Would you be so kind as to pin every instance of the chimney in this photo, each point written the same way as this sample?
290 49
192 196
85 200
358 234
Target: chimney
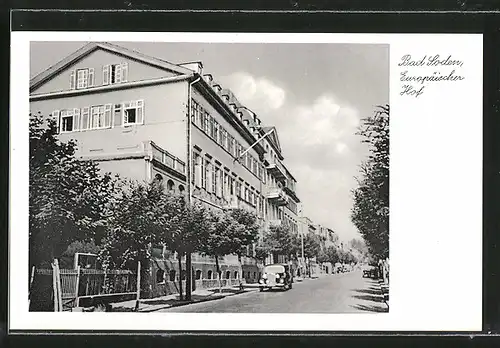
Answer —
196 67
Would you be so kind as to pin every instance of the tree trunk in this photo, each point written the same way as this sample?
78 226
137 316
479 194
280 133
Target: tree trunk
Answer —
179 258
217 268
189 273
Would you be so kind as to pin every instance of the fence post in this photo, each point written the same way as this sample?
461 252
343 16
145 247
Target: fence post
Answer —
138 285
31 284
54 287
77 288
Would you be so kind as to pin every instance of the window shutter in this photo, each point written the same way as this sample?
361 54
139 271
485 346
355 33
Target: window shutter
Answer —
91 77
124 72
56 118
107 115
105 74
117 115
72 80
85 118
118 74
140 111
76 119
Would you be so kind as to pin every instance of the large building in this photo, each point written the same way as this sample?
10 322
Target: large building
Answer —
147 119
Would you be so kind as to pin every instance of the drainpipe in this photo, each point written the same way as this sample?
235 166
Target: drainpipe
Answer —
188 181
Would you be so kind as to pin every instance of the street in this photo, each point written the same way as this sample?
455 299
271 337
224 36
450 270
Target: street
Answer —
336 293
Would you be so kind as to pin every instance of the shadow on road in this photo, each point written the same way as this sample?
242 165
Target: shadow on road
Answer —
370 291
374 309
372 298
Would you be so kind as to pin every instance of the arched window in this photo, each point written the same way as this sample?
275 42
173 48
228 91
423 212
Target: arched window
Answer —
181 188
172 275
170 185
183 274
198 274
209 274
158 178
228 275
160 276
235 274
254 275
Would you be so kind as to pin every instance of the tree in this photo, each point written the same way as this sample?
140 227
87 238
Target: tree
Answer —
370 212
312 247
280 241
230 232
188 229
68 197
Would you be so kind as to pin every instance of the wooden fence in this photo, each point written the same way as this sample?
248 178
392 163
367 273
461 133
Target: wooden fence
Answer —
64 288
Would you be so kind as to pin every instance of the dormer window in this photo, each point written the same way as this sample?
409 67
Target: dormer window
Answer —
114 73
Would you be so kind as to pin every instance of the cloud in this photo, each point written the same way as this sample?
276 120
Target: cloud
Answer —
319 143
255 91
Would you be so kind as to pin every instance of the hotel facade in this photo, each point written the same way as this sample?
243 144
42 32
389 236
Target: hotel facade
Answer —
147 119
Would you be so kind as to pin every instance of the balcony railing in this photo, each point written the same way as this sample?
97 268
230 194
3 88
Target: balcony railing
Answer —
275 167
167 159
277 196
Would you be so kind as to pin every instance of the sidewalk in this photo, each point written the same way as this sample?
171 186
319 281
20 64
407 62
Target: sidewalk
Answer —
157 303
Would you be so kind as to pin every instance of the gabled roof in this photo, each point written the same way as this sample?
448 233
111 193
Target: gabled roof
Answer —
273 137
47 74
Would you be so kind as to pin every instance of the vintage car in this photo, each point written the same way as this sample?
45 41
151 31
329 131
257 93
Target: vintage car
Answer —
277 276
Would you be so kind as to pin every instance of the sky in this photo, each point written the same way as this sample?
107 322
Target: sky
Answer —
315 95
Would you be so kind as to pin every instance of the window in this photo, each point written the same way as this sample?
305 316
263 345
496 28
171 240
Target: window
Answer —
100 116
212 127
160 276
224 138
85 118
181 188
206 177
81 78
133 112
197 169
198 274
231 185
115 73
228 274
235 274
209 274
170 185
238 189
230 145
214 180
172 275
216 132
196 112
208 121
70 120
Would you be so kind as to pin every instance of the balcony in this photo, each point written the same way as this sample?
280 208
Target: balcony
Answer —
235 202
165 158
275 167
277 196
289 188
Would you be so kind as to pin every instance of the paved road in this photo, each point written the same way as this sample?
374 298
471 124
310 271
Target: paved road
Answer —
337 293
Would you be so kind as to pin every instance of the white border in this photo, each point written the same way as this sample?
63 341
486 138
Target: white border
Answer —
436 198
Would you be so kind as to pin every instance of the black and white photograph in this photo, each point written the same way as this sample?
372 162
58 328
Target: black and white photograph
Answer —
209 177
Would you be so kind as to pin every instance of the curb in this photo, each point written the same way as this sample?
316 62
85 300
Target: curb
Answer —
384 289
207 299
